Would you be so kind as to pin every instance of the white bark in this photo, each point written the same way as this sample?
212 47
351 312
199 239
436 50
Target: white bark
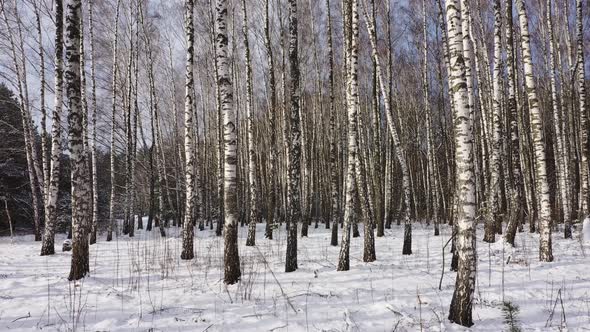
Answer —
461 304
53 188
80 179
542 186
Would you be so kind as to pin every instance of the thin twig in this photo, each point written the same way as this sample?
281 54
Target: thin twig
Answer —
275 277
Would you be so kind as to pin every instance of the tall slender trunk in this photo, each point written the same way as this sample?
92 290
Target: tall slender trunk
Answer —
128 224
20 73
30 124
189 150
252 181
273 183
135 207
94 223
560 161
334 179
156 171
460 311
231 257
42 108
399 149
351 32
430 149
542 186
113 152
517 199
80 179
585 137
47 247
294 147
493 207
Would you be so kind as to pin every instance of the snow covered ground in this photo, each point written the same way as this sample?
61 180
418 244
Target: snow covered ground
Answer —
140 284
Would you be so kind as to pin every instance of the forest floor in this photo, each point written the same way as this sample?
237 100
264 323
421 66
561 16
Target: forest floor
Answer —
141 284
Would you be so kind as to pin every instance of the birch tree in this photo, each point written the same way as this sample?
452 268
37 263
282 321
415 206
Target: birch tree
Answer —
294 147
80 183
23 97
516 217
542 186
430 149
494 186
94 225
272 206
188 230
334 179
231 257
252 182
460 311
42 106
399 149
113 193
351 31
47 247
560 156
585 137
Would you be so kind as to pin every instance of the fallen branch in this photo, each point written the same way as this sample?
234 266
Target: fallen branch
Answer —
23 317
443 260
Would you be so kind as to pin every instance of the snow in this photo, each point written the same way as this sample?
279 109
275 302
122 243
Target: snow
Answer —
586 230
141 284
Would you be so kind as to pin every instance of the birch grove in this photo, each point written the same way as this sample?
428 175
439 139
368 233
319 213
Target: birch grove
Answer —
254 119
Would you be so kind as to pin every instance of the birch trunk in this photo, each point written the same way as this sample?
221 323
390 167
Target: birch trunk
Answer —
430 149
188 229
351 32
94 224
42 108
493 208
542 186
460 311
334 179
80 179
517 199
47 247
25 114
560 161
252 181
231 258
273 183
294 146
399 149
585 137
113 127
30 129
